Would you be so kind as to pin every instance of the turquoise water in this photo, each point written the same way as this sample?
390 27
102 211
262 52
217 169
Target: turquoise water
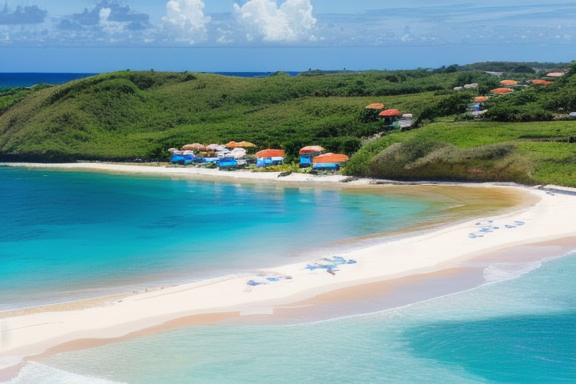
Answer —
70 235
522 330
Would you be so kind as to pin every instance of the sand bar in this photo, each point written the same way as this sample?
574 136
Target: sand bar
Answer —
548 217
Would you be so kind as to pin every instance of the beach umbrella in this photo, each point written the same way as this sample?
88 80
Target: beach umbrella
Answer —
330 158
509 82
540 82
215 147
172 150
375 106
310 149
389 112
266 153
193 146
245 144
481 99
238 153
501 91
555 74
231 144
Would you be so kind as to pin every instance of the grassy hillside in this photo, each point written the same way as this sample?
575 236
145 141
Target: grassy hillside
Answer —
128 115
528 153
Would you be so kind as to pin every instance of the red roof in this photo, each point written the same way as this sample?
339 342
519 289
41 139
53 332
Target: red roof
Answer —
390 112
311 149
330 158
500 91
541 82
270 153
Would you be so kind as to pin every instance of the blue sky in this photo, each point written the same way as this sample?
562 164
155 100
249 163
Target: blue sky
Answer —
268 35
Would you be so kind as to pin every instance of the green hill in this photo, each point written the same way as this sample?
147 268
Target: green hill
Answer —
129 115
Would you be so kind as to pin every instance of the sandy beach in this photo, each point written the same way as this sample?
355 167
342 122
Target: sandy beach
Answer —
543 215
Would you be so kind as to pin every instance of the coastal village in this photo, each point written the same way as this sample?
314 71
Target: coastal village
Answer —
236 155
314 158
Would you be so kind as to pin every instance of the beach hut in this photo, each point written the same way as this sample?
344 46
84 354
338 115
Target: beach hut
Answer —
329 161
307 153
390 117
177 157
267 157
405 121
189 157
227 162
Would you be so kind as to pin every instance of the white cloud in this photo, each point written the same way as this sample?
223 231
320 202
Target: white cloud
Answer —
186 18
290 22
111 27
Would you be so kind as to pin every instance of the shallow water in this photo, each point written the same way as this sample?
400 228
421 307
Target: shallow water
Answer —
517 330
71 235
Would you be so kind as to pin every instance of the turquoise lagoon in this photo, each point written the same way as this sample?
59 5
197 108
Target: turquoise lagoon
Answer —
517 327
71 235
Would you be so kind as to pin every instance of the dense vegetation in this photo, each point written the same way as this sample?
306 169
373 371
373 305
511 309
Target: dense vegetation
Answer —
128 115
529 153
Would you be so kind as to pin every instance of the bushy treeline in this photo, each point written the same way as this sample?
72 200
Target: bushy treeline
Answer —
509 67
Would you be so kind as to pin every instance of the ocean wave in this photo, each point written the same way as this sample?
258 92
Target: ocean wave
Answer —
38 373
508 271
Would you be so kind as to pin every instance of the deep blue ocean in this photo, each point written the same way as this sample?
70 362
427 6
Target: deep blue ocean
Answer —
71 234
15 79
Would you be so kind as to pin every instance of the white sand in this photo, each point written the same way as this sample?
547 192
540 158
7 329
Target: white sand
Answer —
187 172
551 218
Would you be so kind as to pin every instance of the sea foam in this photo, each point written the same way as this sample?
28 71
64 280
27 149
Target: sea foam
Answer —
38 373
508 271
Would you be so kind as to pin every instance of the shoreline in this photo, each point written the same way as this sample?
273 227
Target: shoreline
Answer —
379 267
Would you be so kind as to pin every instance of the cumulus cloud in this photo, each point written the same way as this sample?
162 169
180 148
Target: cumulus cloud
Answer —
187 20
107 15
292 21
22 15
